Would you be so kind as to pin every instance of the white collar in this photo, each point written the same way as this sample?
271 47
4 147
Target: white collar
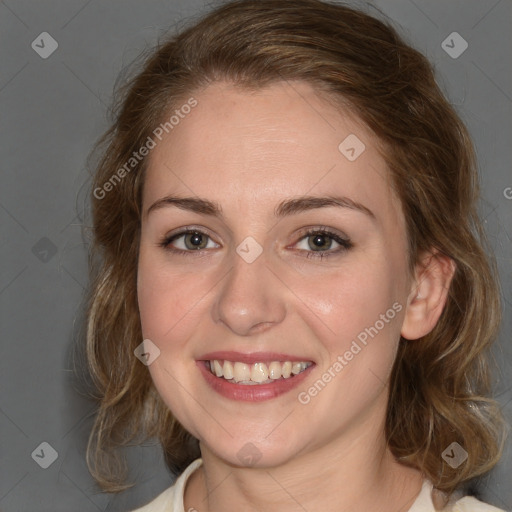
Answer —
424 501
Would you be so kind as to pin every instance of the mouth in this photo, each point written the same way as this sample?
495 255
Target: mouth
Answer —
253 377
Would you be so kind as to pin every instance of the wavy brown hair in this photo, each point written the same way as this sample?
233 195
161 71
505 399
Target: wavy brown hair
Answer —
439 389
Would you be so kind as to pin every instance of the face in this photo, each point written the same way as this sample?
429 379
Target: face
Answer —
249 272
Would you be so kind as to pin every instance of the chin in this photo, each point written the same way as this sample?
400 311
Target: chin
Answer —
243 453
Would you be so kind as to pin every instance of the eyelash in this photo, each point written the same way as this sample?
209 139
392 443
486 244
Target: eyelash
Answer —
345 243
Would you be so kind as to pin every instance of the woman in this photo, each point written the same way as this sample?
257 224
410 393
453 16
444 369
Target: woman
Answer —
286 216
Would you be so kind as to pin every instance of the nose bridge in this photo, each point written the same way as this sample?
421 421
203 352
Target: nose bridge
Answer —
249 296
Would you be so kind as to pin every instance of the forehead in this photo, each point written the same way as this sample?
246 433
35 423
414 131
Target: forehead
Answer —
252 148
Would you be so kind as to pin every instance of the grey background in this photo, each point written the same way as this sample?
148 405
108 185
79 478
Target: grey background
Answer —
52 112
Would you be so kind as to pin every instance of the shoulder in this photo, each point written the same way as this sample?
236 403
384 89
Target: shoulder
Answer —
162 503
171 500
470 504
425 502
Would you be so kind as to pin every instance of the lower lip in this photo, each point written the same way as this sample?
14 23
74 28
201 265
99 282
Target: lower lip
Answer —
251 393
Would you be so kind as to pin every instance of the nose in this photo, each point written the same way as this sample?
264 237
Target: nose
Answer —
250 299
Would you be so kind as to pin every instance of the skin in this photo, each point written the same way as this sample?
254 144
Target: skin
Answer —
248 151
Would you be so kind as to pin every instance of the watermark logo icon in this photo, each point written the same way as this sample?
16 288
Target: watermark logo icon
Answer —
44 250
249 250
44 45
147 352
45 455
454 45
249 454
351 147
454 455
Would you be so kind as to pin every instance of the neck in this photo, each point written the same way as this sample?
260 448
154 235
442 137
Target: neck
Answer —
355 471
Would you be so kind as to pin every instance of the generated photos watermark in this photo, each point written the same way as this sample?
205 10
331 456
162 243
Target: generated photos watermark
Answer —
144 150
343 360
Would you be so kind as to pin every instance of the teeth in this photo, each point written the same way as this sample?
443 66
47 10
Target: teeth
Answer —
274 370
286 371
241 371
217 368
228 370
257 373
296 368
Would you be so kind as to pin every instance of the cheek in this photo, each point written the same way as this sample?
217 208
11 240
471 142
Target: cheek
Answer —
357 318
351 299
167 298
169 304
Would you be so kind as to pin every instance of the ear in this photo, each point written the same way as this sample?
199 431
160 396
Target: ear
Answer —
429 292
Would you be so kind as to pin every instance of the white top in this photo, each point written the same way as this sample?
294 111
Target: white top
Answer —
171 500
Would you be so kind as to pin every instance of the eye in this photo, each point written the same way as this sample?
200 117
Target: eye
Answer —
186 241
318 243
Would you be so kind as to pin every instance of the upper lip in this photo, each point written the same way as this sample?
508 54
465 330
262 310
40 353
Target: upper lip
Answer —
251 358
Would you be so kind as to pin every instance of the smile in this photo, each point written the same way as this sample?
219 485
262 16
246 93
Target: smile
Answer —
253 377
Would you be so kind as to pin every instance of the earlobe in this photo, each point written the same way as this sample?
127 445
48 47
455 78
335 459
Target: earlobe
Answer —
429 292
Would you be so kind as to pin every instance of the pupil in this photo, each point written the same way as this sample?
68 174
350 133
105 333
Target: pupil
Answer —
320 241
195 239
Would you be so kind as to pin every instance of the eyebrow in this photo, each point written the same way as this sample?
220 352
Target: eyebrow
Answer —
284 208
